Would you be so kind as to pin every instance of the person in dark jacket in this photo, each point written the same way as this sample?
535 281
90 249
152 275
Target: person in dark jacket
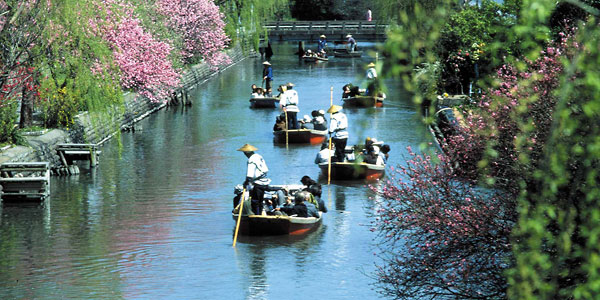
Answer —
299 209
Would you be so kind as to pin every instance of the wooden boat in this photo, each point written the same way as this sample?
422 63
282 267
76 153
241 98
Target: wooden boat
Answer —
353 170
363 101
266 102
344 53
277 225
300 136
313 58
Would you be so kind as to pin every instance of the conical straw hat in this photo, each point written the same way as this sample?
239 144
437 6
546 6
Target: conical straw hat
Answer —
247 148
371 65
334 108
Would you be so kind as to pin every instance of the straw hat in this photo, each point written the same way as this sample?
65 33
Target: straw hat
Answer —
371 65
334 108
282 88
247 148
323 36
266 63
289 84
348 35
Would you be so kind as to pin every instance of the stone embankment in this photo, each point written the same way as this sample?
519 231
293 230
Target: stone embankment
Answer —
98 127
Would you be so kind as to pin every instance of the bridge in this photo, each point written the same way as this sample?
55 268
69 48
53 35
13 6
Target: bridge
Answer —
335 31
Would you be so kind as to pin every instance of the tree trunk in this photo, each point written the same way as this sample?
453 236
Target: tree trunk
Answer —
26 109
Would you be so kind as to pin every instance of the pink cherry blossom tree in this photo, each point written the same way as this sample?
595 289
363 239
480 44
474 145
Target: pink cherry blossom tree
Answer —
200 25
142 59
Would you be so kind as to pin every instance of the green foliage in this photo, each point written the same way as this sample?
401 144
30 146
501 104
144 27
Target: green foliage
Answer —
9 132
78 73
557 239
244 18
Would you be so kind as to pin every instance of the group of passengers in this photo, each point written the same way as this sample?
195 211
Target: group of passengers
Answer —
317 122
373 152
304 203
257 92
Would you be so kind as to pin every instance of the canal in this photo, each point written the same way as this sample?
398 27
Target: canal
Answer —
153 221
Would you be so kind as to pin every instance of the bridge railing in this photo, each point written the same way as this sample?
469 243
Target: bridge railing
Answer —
324 25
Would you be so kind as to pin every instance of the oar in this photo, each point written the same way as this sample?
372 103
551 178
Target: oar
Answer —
240 210
329 163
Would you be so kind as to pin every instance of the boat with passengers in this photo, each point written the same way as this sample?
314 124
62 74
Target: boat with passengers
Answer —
270 224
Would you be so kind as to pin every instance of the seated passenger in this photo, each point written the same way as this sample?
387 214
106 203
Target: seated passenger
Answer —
258 93
324 155
318 120
314 188
383 154
299 209
350 91
306 123
279 123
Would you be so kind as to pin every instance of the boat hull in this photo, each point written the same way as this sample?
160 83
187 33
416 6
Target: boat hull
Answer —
347 54
300 136
314 58
270 102
363 101
351 170
277 225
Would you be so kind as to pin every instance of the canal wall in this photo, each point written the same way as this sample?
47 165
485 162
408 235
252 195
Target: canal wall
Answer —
98 127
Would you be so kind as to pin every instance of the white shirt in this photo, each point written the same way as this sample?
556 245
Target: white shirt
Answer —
257 170
323 156
371 73
289 101
318 120
339 125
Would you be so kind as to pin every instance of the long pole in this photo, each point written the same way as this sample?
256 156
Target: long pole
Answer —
240 210
329 163
286 128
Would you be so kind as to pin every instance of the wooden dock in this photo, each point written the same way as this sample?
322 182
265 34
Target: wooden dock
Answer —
335 31
25 181
69 153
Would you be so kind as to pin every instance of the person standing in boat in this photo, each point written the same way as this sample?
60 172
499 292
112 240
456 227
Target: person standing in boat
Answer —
256 177
268 77
289 105
351 43
371 77
338 131
321 44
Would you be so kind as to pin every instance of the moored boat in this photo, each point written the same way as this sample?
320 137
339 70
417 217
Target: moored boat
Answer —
266 102
300 136
277 225
353 170
346 54
314 58
363 101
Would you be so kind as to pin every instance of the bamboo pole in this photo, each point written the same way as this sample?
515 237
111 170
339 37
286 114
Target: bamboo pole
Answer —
330 138
240 210
286 128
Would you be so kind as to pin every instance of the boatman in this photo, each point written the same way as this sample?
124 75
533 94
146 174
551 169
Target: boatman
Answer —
256 177
321 44
268 77
289 104
351 43
371 77
338 132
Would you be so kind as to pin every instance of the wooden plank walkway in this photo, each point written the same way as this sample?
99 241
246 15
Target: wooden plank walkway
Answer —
25 181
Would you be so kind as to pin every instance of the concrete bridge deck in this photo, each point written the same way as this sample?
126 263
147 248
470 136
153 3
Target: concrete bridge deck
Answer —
334 30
